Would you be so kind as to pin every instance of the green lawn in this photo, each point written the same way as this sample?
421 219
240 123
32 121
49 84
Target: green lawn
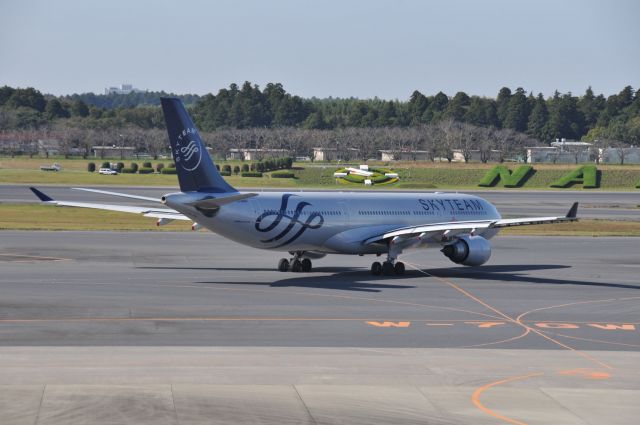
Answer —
427 176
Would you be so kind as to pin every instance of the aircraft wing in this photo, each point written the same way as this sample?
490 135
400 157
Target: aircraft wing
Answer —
452 228
165 213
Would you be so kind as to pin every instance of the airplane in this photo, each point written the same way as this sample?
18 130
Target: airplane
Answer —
310 225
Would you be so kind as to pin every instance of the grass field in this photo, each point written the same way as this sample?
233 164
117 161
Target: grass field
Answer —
412 175
48 217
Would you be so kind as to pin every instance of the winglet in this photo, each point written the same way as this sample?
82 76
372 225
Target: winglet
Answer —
573 212
40 195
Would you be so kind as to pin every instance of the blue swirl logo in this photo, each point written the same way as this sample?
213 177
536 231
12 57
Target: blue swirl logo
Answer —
270 219
189 156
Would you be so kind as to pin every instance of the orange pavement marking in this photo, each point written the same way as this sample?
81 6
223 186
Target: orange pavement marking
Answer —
390 324
476 397
613 327
589 374
478 300
547 325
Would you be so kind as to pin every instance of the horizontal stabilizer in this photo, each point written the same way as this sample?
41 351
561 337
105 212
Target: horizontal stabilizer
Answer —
215 202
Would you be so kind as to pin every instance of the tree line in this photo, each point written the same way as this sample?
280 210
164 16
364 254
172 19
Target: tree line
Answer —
248 116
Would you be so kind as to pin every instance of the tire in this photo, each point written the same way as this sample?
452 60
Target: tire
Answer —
376 269
387 268
296 266
399 268
306 265
283 265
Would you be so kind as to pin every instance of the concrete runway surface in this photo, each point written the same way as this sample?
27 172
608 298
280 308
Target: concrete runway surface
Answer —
510 203
189 328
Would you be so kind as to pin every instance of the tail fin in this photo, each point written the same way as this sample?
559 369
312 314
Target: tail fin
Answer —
196 171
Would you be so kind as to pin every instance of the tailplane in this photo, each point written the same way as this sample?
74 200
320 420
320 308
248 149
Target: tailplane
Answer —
195 168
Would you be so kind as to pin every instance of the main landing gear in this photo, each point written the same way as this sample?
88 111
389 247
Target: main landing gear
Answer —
295 264
389 267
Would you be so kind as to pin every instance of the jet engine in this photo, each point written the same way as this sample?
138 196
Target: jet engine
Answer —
468 250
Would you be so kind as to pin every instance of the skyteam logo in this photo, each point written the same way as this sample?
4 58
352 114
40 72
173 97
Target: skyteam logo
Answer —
188 151
296 222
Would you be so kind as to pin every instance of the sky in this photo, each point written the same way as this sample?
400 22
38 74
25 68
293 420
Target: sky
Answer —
339 48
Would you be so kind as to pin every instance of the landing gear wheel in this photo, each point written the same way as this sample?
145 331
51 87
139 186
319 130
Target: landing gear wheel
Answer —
283 265
296 266
306 265
399 268
376 269
387 268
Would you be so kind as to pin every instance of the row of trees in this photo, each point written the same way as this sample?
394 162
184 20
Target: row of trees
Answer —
438 140
250 117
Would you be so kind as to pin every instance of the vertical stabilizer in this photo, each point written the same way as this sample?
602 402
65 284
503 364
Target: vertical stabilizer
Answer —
195 168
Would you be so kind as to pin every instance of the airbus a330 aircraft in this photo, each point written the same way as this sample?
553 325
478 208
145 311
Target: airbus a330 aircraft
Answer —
310 225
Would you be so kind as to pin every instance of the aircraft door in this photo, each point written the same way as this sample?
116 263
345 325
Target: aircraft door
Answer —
344 211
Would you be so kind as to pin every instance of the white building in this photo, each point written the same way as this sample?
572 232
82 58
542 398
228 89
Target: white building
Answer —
257 154
123 89
475 155
391 155
332 154
630 155
561 152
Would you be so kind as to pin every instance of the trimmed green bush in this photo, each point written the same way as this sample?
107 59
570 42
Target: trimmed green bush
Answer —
227 169
128 171
134 166
119 166
245 168
91 167
282 175
225 173
638 185
105 164
168 170
251 174
354 178
147 165
145 170
509 179
236 170
587 175
159 167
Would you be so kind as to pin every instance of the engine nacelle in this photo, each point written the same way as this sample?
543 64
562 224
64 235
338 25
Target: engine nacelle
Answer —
469 250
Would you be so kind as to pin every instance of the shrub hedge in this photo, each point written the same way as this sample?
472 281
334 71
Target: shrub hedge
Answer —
105 164
168 170
251 174
225 172
147 165
128 171
282 175
159 167
119 166
145 170
587 175
509 179
91 167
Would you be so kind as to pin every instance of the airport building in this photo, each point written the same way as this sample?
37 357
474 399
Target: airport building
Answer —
123 89
256 154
